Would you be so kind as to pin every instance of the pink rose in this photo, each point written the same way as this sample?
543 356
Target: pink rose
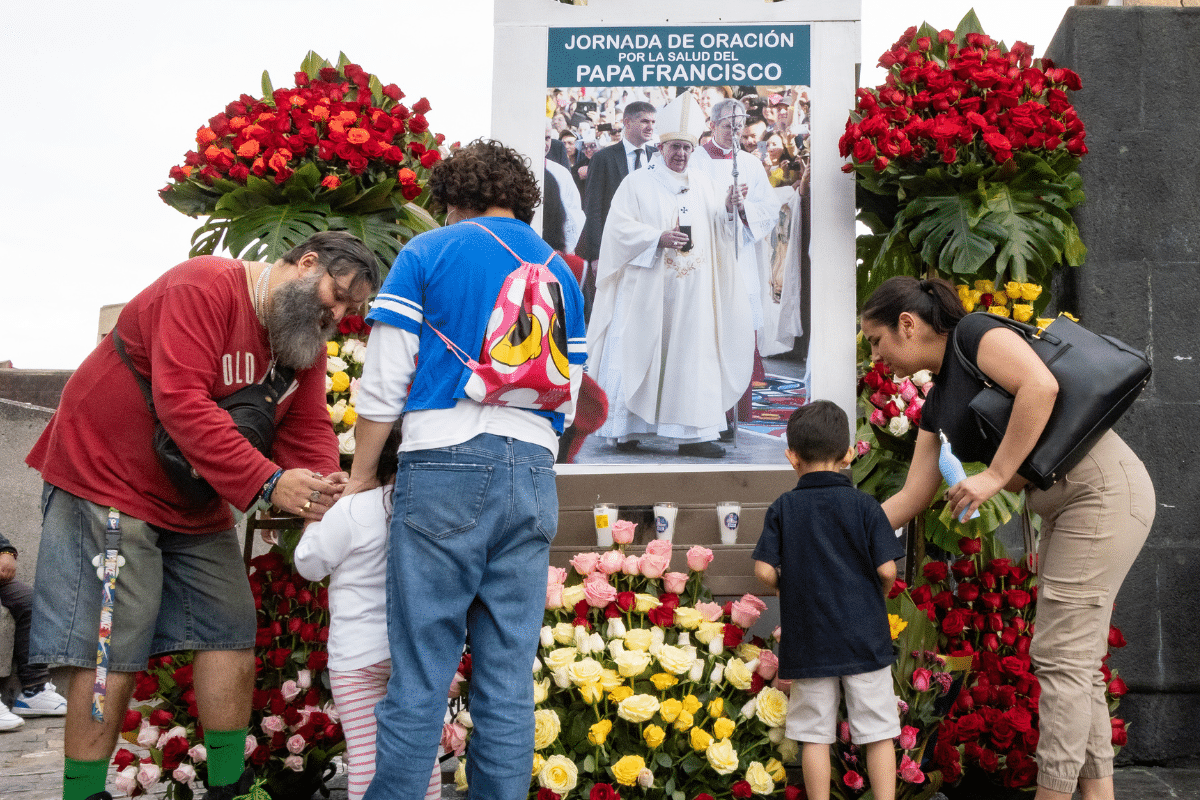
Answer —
454 738
148 774
675 582
585 563
784 685
611 561
273 724
910 771
289 690
843 733
294 763
126 780
913 410
862 447
698 558
710 611
554 593
148 735
304 678
651 565
198 753
853 780
296 743
631 565
768 665
659 547
908 738
921 679
745 612
907 391
622 531
456 684
598 591
879 420
184 773
251 745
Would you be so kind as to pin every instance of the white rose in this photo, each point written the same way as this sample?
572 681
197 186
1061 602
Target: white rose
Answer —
898 426
337 411
335 364
346 442
464 719
697 671
564 633
921 377
616 629
547 636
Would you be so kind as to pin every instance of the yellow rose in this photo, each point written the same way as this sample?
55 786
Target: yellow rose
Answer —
684 721
559 774
340 382
631 663
1013 290
350 417
772 707
737 674
591 693
723 728
561 657
571 596
670 709
1030 291
709 631
332 349
645 602
626 770
983 286
546 727
653 735
747 652
999 311
721 756
541 689
716 708
663 681
964 291
599 732
1069 316
585 671
460 775
688 618
968 305
1022 312
759 779
620 693
691 704
564 633
638 708
776 770
897 624
638 639
674 659
538 762
1000 299
700 739
1042 322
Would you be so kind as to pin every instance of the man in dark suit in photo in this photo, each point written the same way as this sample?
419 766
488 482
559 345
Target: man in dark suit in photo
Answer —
606 169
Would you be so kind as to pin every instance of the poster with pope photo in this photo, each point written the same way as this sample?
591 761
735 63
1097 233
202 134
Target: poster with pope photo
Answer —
681 160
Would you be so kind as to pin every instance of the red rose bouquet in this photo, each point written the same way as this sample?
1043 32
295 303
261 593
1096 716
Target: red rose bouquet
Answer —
966 161
337 151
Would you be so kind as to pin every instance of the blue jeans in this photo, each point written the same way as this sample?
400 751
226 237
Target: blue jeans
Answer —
468 556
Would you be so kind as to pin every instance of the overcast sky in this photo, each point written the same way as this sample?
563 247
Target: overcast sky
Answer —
106 96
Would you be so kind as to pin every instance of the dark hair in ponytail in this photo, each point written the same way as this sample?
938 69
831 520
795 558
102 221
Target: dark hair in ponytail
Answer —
935 301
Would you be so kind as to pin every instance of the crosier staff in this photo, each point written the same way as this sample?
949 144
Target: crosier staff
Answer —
737 121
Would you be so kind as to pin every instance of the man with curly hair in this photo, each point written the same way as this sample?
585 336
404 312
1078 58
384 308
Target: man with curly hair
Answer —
475 501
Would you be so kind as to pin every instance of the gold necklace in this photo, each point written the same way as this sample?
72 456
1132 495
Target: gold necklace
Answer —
260 294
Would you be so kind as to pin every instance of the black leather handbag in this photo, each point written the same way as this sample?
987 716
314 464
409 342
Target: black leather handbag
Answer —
1098 377
252 410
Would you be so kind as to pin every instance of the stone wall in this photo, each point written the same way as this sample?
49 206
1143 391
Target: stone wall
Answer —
1141 283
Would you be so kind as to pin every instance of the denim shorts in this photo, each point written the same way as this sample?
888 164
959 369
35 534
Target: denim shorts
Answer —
175 591
870 707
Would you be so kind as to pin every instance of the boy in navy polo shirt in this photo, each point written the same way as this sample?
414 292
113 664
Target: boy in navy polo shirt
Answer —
829 551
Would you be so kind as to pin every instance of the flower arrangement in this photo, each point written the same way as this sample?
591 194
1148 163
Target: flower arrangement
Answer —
337 151
645 687
294 728
346 352
966 160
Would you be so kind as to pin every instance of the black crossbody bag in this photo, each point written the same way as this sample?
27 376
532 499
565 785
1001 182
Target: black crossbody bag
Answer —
252 410
1098 377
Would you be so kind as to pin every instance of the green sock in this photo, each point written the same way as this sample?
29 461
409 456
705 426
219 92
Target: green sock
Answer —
226 755
82 779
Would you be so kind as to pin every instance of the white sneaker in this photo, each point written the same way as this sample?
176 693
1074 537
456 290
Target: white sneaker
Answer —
45 702
8 720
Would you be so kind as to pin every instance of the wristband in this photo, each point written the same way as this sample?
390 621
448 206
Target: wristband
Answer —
269 488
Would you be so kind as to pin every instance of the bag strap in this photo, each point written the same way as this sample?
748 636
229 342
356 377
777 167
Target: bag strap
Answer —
1028 332
458 352
506 247
143 383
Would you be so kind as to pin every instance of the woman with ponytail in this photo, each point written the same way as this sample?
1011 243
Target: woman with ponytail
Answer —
1095 518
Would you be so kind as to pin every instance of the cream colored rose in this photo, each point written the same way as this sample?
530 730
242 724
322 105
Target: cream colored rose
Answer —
675 660
772 706
546 727
460 775
559 774
789 751
645 602
610 679
541 689
586 671
562 657
638 708
564 633
688 618
631 663
721 756
747 652
572 595
638 639
759 779
709 631
723 728
738 674
538 763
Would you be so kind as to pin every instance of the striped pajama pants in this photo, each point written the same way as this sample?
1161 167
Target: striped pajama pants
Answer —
355 693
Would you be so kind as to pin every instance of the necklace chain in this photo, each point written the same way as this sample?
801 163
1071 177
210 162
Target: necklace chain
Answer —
260 294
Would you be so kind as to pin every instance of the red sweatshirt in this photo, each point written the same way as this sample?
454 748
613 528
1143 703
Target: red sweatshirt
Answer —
194 333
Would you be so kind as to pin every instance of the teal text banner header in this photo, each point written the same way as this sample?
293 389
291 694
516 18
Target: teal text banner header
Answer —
707 55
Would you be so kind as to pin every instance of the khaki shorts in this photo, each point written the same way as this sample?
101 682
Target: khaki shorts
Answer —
176 591
870 705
